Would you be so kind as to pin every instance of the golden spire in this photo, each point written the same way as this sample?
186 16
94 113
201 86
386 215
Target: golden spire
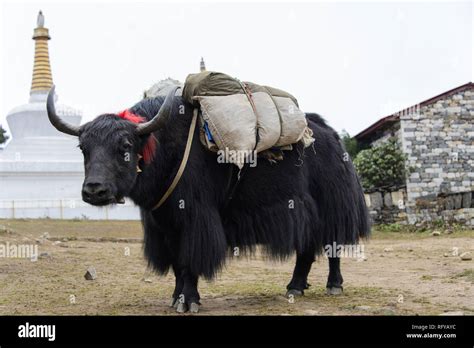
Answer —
202 66
42 78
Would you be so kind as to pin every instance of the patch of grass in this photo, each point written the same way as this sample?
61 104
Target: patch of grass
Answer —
386 311
132 229
400 231
468 274
244 289
75 227
422 300
391 228
380 301
426 277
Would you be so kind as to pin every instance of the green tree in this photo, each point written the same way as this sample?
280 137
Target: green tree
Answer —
3 135
350 143
381 166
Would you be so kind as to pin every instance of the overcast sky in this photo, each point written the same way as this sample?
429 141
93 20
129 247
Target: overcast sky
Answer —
352 62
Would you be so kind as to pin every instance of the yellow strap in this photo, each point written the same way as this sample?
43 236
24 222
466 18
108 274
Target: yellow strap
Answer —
184 161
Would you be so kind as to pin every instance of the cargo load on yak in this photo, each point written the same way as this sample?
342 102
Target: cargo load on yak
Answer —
244 117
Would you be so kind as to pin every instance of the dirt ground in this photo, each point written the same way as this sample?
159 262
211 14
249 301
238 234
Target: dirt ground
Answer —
403 273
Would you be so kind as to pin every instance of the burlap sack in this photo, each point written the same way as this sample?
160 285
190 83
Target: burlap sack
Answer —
293 122
233 122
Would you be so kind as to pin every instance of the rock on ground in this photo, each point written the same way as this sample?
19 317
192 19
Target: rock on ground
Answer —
466 256
91 274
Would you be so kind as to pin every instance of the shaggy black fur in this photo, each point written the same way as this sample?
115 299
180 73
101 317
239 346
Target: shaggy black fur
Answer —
311 198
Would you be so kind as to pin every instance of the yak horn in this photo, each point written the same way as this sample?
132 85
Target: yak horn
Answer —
155 122
55 120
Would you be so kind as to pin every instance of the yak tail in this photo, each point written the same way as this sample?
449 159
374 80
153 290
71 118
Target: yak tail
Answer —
357 214
363 222
336 188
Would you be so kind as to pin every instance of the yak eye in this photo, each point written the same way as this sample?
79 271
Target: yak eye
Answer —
125 147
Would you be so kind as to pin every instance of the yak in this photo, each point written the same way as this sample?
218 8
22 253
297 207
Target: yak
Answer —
310 199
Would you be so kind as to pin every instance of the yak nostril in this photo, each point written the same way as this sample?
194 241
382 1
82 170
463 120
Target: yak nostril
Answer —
92 187
101 193
95 189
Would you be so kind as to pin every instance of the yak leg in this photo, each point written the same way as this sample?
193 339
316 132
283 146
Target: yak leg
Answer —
188 299
334 284
179 284
299 281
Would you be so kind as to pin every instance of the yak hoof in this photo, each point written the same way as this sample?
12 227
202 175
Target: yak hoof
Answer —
294 293
182 308
194 307
334 291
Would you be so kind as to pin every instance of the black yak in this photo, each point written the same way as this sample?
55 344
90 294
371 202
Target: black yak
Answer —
310 199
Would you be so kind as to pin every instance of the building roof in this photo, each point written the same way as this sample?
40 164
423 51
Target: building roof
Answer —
387 121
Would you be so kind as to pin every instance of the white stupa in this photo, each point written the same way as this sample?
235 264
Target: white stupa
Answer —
41 169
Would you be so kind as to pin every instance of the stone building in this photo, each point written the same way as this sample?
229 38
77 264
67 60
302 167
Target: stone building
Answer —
437 137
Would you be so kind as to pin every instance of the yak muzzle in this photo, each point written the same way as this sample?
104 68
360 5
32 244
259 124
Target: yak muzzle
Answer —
97 194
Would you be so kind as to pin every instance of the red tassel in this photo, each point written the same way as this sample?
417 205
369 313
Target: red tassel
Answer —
127 115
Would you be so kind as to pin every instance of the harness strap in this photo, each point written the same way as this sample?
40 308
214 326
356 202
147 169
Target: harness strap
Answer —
248 93
184 161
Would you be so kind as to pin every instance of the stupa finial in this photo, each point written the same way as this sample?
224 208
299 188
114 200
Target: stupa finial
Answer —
42 78
40 20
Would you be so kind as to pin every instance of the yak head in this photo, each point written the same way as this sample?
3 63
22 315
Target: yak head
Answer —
112 146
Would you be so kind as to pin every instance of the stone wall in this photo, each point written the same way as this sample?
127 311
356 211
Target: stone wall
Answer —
391 207
387 207
439 144
450 208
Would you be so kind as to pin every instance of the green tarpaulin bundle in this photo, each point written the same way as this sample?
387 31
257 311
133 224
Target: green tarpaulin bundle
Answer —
244 116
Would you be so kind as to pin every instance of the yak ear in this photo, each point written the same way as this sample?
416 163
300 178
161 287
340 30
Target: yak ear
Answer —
143 139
